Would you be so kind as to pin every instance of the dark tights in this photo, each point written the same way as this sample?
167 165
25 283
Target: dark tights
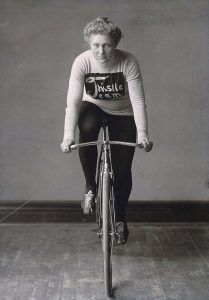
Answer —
121 128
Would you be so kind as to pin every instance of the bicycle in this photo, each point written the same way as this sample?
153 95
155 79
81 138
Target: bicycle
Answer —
105 209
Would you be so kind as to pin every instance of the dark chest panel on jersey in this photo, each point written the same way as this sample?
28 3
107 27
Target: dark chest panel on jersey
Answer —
105 85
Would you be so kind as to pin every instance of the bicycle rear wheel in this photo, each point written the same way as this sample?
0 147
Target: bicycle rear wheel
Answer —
106 237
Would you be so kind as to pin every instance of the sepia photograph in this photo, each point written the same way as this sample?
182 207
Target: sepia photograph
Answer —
104 142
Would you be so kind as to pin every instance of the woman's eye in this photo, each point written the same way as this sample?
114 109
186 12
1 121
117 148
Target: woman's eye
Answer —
107 46
104 46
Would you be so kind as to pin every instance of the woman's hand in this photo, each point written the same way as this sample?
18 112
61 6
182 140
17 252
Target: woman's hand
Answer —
66 144
145 143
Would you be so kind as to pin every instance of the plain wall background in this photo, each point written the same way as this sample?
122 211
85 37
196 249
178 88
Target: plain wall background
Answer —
38 43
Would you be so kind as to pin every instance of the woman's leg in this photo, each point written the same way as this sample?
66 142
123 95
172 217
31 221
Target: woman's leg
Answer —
89 124
122 128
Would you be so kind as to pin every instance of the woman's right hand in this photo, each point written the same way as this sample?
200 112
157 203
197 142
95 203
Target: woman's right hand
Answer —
66 144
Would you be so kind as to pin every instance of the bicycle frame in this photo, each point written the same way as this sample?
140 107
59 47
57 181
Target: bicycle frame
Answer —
104 161
105 208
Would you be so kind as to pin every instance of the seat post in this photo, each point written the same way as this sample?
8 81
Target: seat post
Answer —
104 126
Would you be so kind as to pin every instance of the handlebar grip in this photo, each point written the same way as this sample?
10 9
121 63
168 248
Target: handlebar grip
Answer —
73 147
149 148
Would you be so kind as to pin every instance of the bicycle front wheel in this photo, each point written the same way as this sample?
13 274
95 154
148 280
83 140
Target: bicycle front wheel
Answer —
106 238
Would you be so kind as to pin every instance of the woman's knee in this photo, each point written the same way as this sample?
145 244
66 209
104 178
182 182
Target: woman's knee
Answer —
89 121
88 129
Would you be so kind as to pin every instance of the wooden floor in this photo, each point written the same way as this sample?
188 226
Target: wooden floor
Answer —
64 261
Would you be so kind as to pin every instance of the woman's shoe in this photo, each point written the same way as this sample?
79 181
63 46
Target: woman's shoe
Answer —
122 232
88 204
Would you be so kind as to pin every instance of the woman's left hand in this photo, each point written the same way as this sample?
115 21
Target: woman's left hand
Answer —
146 144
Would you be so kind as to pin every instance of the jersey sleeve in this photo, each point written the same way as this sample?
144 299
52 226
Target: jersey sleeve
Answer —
74 98
137 96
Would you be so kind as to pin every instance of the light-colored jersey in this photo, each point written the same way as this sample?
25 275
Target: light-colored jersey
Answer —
117 88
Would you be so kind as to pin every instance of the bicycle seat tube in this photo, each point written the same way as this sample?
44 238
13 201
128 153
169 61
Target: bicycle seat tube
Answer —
106 146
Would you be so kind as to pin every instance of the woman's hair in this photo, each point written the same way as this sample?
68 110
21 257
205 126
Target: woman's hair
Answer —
102 25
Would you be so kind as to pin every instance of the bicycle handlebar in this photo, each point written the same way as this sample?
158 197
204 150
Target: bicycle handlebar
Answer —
76 146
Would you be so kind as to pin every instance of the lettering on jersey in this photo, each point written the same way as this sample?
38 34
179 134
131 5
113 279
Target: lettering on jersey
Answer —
105 85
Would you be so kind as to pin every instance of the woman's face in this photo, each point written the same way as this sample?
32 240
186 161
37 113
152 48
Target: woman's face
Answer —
102 47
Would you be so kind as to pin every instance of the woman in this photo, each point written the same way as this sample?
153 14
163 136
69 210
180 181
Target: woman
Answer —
106 83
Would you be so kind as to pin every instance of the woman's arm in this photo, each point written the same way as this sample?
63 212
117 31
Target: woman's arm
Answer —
74 98
136 93
137 97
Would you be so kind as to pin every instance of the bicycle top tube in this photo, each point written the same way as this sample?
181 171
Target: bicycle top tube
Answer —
107 142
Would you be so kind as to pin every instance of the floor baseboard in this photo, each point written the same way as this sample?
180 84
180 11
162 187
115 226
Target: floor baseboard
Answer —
137 211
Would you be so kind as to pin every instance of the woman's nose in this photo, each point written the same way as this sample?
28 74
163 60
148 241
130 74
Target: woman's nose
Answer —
101 50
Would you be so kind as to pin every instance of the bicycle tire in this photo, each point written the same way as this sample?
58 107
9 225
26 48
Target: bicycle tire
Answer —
99 194
106 238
